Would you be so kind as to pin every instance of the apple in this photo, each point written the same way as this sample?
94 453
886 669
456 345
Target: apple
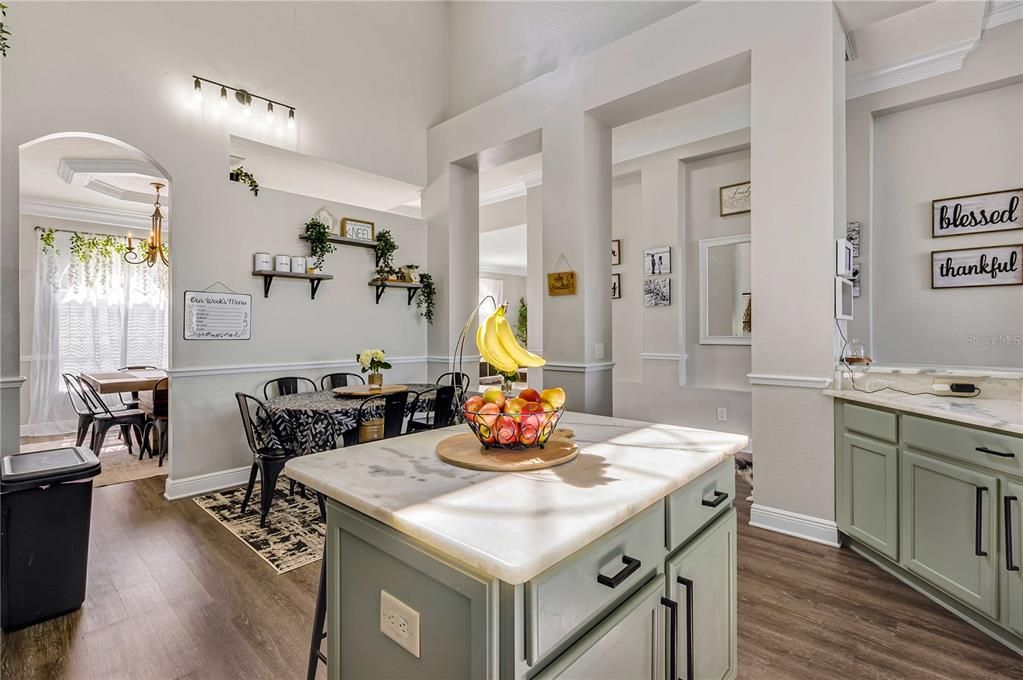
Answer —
555 396
507 431
472 407
529 394
494 395
532 413
487 415
486 433
514 405
528 433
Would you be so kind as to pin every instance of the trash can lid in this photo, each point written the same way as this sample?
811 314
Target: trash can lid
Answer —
38 468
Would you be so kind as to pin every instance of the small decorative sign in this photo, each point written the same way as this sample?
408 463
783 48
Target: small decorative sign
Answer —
561 283
217 316
993 211
357 229
968 267
616 252
616 286
734 199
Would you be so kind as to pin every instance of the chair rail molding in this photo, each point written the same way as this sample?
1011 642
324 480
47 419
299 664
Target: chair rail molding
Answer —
926 65
295 366
12 382
808 381
794 524
187 487
660 356
579 367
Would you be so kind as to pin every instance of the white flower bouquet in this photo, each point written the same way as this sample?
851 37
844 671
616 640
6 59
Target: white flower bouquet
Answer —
372 360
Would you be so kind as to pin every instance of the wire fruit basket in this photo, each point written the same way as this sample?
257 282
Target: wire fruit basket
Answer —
513 431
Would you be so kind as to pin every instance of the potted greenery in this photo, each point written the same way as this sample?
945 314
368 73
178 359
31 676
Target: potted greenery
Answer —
240 174
373 361
385 248
317 234
425 299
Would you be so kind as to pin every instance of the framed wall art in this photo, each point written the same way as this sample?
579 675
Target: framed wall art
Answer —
977 213
616 251
561 283
734 199
657 261
616 286
971 267
358 229
657 292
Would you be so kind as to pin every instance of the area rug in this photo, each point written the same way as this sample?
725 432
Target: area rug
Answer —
293 536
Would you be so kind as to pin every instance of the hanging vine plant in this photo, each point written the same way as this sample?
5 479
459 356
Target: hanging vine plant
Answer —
385 248
317 234
47 238
240 174
4 33
85 246
425 299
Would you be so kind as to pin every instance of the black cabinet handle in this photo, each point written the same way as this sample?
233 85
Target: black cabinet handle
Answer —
631 565
1009 566
672 637
1003 454
978 549
719 498
688 585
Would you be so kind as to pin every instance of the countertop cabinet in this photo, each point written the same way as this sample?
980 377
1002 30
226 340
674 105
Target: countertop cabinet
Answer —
868 497
1012 551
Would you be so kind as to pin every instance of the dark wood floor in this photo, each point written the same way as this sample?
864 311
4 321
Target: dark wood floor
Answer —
172 594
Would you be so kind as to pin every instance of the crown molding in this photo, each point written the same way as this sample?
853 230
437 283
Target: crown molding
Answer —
927 65
69 168
107 189
533 179
60 210
1000 12
503 194
503 271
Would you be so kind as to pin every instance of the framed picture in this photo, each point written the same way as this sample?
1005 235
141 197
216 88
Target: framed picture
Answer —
734 199
657 261
616 251
971 267
843 299
843 258
993 211
657 292
852 235
616 286
358 229
561 283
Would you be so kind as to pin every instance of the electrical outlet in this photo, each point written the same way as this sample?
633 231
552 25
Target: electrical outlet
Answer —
722 415
598 350
399 622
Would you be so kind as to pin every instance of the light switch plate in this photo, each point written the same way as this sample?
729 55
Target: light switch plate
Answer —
598 350
399 622
722 415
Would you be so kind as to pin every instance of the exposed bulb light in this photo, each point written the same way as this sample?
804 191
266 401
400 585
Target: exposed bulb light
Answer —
291 119
247 108
197 90
223 98
269 111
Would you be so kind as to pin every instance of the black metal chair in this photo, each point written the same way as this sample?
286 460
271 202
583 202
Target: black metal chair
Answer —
134 403
319 618
395 405
287 385
334 380
454 379
158 420
80 404
267 458
443 413
103 418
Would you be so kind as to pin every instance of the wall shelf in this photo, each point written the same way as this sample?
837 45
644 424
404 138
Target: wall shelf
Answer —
345 241
382 285
313 279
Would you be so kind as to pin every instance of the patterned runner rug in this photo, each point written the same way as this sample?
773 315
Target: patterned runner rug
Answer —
293 536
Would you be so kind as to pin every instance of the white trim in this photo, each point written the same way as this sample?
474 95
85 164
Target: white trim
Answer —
108 189
65 427
268 368
532 179
705 244
67 168
794 524
12 383
1000 12
59 210
656 356
441 359
919 67
507 193
810 382
502 270
577 367
176 489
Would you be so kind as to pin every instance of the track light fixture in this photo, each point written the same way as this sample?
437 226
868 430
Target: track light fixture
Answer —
244 98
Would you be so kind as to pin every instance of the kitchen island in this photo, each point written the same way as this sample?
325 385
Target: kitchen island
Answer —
618 564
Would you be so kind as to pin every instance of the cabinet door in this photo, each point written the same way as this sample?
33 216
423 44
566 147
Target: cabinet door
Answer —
868 493
1012 553
629 643
949 535
702 580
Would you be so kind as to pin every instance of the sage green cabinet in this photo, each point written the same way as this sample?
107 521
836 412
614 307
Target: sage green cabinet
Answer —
949 529
702 581
868 492
1012 555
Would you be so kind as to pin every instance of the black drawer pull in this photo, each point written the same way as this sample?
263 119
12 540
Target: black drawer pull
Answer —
1002 454
978 548
672 637
719 498
690 664
630 568
1009 566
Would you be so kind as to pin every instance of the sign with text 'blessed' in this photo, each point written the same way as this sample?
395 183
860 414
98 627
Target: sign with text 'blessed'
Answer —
217 316
995 211
990 266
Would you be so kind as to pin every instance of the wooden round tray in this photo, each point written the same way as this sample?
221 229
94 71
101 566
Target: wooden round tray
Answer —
464 450
367 390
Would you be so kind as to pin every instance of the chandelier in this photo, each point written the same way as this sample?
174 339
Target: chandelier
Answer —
152 248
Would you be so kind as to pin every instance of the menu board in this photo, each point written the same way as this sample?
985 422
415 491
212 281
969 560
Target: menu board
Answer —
217 316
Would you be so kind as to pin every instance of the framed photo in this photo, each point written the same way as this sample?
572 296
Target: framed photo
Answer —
993 211
971 267
844 258
843 299
616 286
734 199
616 251
561 283
358 229
657 261
852 235
657 292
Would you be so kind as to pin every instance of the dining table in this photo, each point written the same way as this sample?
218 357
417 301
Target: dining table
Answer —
113 382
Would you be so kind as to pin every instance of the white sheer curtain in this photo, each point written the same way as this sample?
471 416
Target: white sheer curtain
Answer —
92 315
494 287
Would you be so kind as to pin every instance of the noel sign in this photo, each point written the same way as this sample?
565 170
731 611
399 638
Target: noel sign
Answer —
969 267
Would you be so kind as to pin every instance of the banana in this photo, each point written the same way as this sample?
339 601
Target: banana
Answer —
511 345
490 348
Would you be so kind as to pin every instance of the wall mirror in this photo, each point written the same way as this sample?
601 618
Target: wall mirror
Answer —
726 297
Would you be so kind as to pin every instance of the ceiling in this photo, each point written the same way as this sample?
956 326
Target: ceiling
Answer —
859 13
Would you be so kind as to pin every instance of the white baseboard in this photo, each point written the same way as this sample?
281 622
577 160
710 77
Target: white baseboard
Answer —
794 524
208 483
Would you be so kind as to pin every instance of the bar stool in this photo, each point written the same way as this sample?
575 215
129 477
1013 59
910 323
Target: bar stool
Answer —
319 618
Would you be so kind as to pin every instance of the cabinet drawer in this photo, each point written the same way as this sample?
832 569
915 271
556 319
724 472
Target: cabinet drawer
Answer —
871 421
578 591
694 506
992 450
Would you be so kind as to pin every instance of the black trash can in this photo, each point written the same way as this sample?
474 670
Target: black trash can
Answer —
45 515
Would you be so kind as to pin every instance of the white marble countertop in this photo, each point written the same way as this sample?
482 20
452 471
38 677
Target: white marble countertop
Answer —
512 526
1005 415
